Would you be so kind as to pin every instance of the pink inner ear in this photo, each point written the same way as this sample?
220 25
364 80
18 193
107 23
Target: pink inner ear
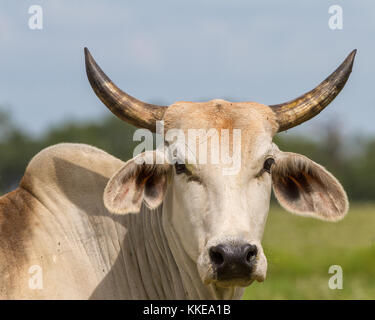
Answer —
291 192
155 189
310 192
132 183
122 195
127 192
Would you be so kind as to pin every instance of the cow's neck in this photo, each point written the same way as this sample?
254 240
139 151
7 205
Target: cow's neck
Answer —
152 263
184 268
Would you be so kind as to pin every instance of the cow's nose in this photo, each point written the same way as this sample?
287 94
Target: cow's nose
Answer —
233 261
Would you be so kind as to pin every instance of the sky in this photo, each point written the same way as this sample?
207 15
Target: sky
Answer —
165 51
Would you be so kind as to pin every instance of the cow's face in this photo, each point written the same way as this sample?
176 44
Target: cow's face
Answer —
218 209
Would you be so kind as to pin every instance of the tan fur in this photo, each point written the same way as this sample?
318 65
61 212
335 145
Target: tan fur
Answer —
256 121
220 114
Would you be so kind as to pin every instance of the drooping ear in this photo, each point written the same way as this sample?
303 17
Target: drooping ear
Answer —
135 182
304 187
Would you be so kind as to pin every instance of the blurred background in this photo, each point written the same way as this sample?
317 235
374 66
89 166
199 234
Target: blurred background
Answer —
161 52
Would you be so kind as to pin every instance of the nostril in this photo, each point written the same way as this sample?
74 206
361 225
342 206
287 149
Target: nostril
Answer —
251 251
216 256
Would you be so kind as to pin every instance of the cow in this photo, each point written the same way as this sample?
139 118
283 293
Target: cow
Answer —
84 224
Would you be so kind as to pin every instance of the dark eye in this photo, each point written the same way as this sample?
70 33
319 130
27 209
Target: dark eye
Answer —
268 164
180 168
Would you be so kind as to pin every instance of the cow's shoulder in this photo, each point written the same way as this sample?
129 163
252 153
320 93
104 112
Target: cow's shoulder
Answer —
51 217
57 178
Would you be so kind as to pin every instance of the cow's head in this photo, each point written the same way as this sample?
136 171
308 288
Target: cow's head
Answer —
220 217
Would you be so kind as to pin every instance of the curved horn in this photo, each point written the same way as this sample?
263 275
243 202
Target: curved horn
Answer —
307 106
127 108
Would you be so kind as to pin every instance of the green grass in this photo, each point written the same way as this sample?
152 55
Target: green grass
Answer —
300 251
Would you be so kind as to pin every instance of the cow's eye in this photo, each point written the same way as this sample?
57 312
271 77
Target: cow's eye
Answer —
268 164
180 168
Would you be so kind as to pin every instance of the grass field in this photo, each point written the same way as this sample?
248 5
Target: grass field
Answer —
300 251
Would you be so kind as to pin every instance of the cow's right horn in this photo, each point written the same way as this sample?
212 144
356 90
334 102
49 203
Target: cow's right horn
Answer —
303 108
127 108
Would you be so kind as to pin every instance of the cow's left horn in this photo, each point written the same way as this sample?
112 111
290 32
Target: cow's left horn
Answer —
127 108
293 113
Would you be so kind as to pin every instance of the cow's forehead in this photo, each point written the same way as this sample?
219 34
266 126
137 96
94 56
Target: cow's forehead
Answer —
250 117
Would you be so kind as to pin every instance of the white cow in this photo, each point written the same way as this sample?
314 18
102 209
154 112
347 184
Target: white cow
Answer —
83 224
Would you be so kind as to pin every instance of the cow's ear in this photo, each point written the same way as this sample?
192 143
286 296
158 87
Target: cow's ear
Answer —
135 182
303 187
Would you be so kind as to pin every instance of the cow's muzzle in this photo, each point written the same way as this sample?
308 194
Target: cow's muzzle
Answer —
233 262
